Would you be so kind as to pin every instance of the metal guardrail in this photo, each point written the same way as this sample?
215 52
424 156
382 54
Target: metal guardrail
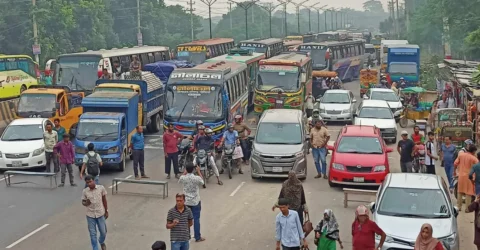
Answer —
7 112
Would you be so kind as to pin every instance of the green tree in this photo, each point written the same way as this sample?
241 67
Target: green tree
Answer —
374 6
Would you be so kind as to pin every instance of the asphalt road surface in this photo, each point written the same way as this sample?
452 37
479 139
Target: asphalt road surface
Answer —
236 215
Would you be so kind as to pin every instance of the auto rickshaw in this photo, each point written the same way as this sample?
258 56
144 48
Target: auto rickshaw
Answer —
318 76
368 79
417 103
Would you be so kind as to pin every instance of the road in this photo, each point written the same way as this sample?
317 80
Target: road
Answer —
236 215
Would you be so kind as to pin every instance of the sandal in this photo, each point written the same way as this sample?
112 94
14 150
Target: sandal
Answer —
200 240
220 183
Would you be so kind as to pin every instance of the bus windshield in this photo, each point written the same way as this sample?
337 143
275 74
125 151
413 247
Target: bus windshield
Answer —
193 57
405 69
285 81
77 72
318 57
37 103
257 50
190 101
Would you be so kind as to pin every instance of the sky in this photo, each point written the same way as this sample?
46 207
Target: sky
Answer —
221 6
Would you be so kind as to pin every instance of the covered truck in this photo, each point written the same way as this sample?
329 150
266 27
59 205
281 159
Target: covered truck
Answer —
163 69
404 61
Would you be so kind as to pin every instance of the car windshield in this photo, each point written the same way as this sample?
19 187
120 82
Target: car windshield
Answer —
78 72
287 79
36 103
193 57
384 96
359 145
193 101
23 133
412 202
335 98
404 69
375 113
279 133
97 129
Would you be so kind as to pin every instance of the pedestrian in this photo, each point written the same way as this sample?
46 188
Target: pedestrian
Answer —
319 138
191 184
447 152
94 197
243 132
475 170
431 155
288 229
425 240
475 207
171 139
406 150
65 152
309 100
50 139
327 232
364 230
463 164
292 189
179 221
91 163
137 144
159 245
59 129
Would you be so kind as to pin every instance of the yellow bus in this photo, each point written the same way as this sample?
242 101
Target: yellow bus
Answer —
17 74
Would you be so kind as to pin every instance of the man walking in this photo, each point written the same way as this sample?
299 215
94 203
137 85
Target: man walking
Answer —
191 184
91 163
309 100
447 154
137 145
59 129
50 138
319 138
405 148
179 221
65 152
289 230
94 197
431 155
171 138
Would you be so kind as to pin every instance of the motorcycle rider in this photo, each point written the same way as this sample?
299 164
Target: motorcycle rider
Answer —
416 137
195 132
240 127
383 82
403 83
206 142
230 137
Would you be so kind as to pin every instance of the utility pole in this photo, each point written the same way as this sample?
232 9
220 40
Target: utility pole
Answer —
309 12
269 7
318 16
209 3
139 29
191 10
398 21
325 15
245 6
331 17
285 2
297 5
336 20
230 14
35 32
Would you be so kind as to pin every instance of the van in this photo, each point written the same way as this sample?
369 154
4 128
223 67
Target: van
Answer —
280 144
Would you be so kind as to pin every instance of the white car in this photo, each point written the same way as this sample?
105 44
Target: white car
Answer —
377 113
22 145
337 105
386 95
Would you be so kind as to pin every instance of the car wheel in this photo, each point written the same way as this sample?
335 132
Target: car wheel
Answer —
331 184
122 164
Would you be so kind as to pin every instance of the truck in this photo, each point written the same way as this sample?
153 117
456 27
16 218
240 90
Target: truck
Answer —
384 52
404 61
109 121
150 91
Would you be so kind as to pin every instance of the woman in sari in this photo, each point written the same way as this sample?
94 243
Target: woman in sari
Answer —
292 189
327 233
425 240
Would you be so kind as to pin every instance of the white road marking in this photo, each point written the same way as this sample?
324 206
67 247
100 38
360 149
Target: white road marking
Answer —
5 177
152 147
128 177
154 140
238 188
152 135
27 236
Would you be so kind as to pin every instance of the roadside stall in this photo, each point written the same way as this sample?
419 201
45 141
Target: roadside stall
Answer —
418 103
452 122
368 79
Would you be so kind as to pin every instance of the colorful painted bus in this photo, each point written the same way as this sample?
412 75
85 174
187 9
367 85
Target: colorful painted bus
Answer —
213 92
17 74
285 78
345 58
328 36
199 51
270 46
307 38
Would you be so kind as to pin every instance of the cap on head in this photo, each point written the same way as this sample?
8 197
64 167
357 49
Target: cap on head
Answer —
238 117
208 131
201 127
230 125
361 210
199 122
404 132
468 142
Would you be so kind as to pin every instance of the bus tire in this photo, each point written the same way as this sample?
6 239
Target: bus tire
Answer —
23 88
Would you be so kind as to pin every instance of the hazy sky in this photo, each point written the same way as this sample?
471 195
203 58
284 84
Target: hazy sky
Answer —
221 6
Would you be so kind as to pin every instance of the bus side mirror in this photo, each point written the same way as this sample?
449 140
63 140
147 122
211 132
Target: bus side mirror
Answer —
57 105
73 132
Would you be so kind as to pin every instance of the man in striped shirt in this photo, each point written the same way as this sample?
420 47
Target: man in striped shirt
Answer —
179 221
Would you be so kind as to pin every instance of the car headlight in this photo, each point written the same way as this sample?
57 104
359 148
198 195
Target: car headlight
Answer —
79 150
299 154
338 166
380 168
255 153
346 111
112 150
38 151
450 240
323 111
388 239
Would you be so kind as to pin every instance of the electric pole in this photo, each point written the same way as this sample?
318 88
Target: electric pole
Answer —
309 18
230 14
336 20
331 17
269 7
318 16
297 5
191 3
285 2
209 3
35 33
398 21
245 6
139 29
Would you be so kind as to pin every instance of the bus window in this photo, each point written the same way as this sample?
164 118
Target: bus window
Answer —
125 62
151 58
158 56
11 65
144 59
2 65
23 65
31 68
229 90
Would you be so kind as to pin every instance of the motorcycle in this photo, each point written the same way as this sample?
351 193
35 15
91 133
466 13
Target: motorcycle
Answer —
228 161
419 160
204 163
185 154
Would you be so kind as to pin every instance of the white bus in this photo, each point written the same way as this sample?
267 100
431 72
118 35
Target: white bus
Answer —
384 51
79 71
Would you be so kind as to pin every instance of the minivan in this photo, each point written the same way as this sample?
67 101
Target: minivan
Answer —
280 144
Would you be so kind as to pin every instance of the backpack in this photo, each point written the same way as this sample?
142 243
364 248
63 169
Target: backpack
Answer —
93 165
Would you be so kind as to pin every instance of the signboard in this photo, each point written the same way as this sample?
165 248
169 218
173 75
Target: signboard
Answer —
193 90
458 133
192 48
253 45
196 76
278 68
313 47
36 49
140 39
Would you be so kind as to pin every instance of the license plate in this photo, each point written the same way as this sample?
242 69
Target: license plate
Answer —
16 164
279 101
358 179
277 169
333 118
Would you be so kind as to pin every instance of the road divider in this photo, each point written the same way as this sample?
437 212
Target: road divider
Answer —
128 177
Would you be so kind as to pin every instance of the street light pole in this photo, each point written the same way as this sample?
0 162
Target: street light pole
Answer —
269 7
245 6
318 16
331 17
297 5
209 3
309 12
285 2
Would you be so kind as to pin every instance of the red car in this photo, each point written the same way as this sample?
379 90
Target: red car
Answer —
359 157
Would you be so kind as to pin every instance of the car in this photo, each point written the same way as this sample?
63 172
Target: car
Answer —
337 105
22 145
359 157
377 113
389 96
405 201
280 144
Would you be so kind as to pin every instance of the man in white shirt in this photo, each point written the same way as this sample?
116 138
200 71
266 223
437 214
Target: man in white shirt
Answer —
309 100
191 189
431 153
442 104
50 138
91 160
451 103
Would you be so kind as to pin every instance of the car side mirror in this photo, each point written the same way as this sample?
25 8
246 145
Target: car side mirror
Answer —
389 150
455 211
372 207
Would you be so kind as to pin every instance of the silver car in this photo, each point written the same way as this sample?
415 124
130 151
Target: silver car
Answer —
387 95
405 201
337 105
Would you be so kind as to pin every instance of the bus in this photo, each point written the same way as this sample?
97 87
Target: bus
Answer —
270 46
328 36
251 59
17 74
80 71
346 58
285 78
213 92
199 51
307 38
291 45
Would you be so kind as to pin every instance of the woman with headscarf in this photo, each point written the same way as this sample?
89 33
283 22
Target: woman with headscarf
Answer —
364 230
425 240
327 233
292 189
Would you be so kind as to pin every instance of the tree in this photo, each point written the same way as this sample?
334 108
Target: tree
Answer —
374 6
